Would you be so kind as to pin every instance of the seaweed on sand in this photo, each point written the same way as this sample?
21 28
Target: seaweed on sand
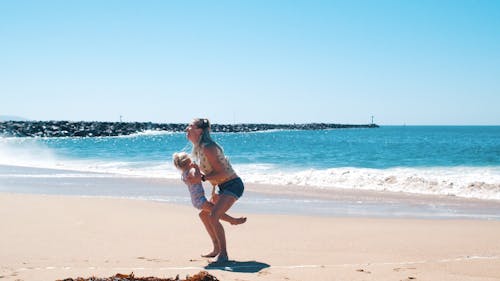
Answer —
200 276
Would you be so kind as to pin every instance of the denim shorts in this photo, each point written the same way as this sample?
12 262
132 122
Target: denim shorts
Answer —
232 187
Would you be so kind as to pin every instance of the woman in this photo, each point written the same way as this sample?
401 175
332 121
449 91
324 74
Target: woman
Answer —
227 186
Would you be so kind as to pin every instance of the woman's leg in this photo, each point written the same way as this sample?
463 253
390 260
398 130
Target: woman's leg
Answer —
222 204
205 218
208 206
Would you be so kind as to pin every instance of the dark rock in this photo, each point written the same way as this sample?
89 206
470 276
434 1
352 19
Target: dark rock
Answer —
107 129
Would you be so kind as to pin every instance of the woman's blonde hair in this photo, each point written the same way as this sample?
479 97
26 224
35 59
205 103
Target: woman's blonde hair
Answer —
180 159
205 138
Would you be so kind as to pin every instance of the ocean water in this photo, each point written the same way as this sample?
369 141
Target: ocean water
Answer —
462 161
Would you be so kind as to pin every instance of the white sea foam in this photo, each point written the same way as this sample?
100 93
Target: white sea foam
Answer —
151 133
27 153
57 175
470 182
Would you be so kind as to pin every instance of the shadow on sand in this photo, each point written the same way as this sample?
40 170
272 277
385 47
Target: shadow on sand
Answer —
238 266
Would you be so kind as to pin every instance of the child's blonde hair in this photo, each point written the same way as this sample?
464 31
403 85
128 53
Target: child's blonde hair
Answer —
181 159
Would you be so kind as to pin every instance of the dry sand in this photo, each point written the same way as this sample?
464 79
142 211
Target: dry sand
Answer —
55 237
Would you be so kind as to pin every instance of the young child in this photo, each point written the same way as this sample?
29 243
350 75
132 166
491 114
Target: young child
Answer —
191 176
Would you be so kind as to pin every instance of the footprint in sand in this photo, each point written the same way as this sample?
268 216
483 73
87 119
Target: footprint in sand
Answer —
153 260
403 268
409 278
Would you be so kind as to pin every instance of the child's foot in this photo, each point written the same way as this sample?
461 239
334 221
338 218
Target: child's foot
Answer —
239 221
212 254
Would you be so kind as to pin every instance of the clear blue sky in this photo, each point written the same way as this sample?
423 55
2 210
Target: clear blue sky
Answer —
405 62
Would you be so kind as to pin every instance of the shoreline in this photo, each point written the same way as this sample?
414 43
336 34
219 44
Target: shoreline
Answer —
258 198
49 237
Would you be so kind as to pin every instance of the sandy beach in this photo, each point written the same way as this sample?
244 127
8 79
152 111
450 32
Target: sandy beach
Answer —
50 237
366 135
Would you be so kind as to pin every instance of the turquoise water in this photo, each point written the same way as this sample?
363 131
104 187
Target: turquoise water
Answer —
453 160
386 147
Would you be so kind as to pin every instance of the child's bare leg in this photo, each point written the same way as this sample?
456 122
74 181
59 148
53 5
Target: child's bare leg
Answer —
232 220
207 206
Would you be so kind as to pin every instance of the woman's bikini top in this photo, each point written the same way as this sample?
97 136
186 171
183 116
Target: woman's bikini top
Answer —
206 168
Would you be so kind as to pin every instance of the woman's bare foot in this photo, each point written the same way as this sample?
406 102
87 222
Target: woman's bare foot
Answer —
221 258
238 221
212 254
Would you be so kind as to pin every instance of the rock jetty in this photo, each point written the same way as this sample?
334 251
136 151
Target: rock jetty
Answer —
108 129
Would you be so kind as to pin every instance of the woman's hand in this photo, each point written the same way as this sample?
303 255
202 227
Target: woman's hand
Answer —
196 172
194 175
